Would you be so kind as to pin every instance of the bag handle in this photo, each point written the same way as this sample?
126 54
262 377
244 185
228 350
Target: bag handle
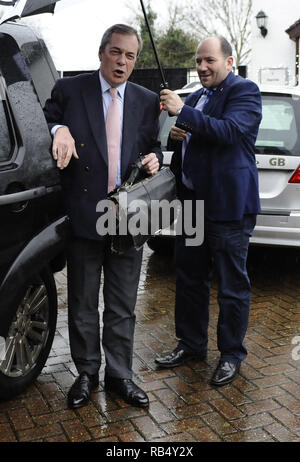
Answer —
137 169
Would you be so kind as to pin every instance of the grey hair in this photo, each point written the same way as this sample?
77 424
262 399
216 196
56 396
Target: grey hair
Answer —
120 29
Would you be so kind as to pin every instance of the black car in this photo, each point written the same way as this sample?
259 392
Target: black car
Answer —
32 222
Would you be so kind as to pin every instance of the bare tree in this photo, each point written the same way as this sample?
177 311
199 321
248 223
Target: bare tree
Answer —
175 46
231 18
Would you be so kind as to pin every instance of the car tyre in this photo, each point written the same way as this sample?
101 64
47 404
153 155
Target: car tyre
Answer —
30 336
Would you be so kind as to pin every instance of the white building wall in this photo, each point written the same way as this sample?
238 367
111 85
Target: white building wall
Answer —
272 59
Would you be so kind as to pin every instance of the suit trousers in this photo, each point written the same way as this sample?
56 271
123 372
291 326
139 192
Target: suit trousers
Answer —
85 260
225 250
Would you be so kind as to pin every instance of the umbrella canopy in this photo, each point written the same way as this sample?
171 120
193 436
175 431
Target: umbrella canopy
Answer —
23 8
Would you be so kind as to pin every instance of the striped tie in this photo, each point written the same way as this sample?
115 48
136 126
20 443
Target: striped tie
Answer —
208 94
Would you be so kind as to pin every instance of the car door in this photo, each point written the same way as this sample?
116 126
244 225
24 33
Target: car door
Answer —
28 177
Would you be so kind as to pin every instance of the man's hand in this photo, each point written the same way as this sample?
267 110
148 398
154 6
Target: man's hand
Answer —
177 134
63 147
150 163
171 102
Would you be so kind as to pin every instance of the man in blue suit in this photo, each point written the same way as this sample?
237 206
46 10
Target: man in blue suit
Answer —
77 113
214 162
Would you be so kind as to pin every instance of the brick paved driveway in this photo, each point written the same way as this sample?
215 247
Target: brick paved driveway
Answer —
263 404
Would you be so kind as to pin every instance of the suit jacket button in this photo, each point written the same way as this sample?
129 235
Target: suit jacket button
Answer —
87 169
82 145
85 190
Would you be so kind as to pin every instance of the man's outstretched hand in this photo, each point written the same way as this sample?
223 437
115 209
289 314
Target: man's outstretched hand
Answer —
63 147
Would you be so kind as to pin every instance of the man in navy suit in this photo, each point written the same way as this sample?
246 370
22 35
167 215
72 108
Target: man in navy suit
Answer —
76 114
214 162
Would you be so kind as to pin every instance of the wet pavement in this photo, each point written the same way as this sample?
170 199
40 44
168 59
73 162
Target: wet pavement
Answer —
261 405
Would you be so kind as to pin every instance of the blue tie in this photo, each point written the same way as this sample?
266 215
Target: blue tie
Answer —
208 93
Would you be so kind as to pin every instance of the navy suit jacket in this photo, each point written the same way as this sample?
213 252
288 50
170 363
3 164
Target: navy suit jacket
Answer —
77 103
220 154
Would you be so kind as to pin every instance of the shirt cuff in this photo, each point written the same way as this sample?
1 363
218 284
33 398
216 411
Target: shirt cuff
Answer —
55 128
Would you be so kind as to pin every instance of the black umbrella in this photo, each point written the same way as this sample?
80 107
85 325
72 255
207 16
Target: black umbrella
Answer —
23 8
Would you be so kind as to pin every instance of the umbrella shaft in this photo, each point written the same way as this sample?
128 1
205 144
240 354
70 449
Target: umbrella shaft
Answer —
164 82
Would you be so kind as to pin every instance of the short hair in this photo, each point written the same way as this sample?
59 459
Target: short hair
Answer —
226 48
120 29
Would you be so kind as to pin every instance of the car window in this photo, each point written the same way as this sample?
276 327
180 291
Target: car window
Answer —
278 132
166 123
279 128
5 141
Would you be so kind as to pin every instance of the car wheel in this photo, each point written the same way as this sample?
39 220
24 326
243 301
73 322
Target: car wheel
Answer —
30 336
162 245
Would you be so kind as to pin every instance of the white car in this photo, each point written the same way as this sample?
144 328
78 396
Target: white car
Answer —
277 152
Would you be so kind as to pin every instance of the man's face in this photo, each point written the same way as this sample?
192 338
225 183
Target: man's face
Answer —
212 66
118 58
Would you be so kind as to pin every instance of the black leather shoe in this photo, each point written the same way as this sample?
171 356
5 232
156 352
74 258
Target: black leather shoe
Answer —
80 392
225 373
127 390
178 357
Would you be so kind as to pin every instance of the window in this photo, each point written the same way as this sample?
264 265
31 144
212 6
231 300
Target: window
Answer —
279 126
5 143
166 123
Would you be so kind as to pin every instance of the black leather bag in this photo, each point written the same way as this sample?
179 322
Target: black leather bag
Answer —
137 206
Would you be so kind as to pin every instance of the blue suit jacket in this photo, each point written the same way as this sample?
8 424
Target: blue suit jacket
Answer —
77 103
220 155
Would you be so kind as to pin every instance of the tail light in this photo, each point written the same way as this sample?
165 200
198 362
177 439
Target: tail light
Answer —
296 176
